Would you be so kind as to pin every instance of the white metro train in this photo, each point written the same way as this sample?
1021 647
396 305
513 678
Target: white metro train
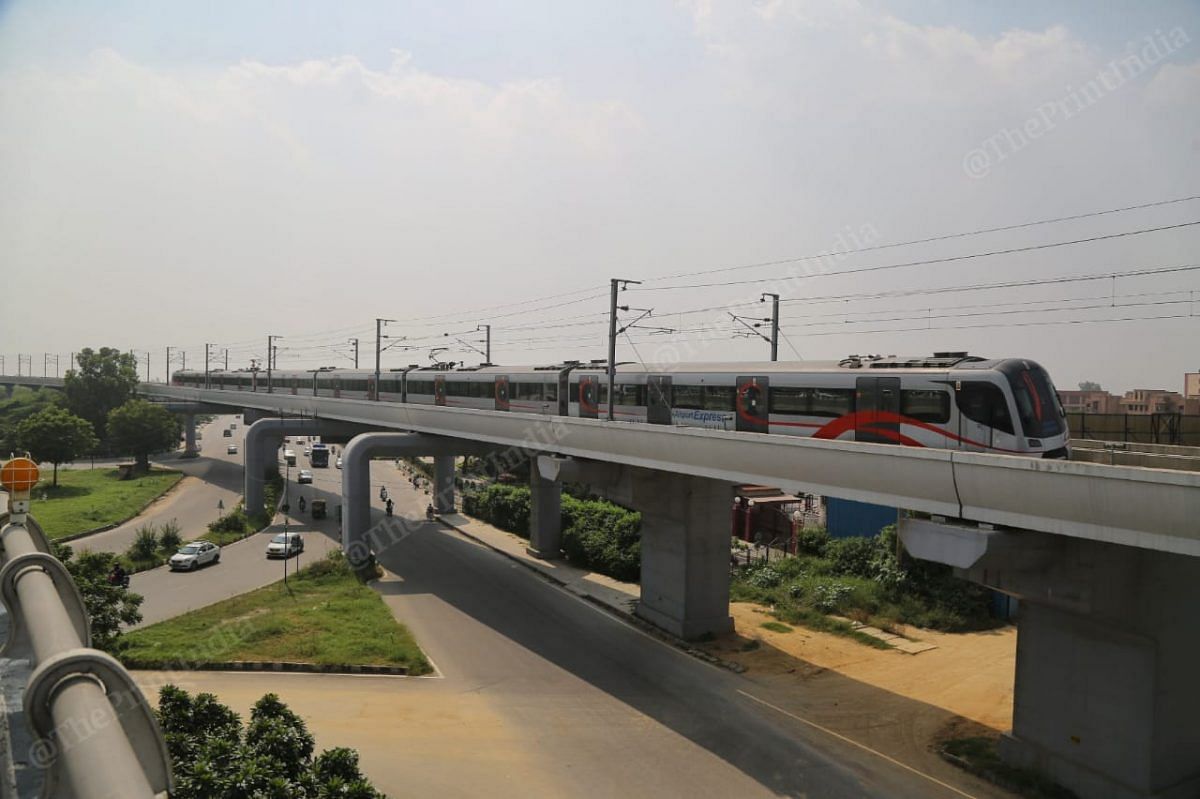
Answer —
948 401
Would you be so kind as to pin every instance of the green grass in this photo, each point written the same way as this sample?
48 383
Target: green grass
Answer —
327 617
776 627
978 755
89 498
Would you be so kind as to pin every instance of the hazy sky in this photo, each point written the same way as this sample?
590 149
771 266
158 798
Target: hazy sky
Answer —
182 173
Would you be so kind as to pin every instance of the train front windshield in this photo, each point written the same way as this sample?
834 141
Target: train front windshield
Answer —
1038 408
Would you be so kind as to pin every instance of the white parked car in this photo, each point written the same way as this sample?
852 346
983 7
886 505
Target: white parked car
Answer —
307 451
284 545
304 477
339 461
231 449
194 555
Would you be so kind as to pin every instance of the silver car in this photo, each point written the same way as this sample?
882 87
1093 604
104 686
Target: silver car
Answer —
284 545
194 555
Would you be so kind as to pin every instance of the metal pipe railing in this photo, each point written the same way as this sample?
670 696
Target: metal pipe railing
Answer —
97 738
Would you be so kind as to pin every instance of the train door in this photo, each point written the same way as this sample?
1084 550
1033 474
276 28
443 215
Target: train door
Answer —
372 394
751 405
564 393
658 399
877 402
589 391
502 393
975 400
439 390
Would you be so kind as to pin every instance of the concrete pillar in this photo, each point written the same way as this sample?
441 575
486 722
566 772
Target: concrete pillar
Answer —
1106 700
443 483
260 449
359 538
189 436
685 552
545 518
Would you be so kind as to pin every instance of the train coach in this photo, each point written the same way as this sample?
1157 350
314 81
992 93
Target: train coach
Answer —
949 401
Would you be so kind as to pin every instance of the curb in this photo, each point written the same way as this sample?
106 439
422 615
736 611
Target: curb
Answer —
269 666
636 621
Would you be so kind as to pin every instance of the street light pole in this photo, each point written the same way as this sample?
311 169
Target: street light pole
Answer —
169 365
379 323
618 284
207 381
774 323
226 359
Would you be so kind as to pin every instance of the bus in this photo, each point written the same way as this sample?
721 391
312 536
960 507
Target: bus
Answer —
319 457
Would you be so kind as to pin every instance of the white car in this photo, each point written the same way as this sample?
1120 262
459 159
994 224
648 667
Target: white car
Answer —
339 462
231 449
194 555
305 476
307 451
284 545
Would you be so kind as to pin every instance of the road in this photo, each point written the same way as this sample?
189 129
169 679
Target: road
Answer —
538 692
214 479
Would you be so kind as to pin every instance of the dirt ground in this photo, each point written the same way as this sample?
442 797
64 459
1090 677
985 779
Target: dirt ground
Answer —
968 674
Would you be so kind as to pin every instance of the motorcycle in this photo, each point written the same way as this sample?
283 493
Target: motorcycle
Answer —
429 513
388 507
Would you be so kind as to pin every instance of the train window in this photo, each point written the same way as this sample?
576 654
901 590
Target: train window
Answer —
526 391
688 397
551 392
924 405
457 389
832 402
630 394
786 399
420 386
985 403
719 398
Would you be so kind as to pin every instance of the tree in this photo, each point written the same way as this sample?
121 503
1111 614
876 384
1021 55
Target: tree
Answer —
23 403
103 381
108 606
214 758
56 435
1088 385
142 428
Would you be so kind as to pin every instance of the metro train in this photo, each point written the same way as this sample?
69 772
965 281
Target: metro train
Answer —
948 401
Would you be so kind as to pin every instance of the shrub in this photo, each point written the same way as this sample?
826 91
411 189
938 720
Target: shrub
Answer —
812 540
169 538
852 557
233 522
145 543
604 537
829 597
764 577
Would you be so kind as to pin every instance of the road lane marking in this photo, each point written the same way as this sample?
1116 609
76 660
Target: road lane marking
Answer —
852 742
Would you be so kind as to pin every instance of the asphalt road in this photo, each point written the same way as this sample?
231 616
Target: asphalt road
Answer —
607 708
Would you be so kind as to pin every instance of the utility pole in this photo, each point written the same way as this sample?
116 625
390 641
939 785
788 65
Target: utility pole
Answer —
774 323
618 284
379 323
147 366
183 360
45 364
169 365
488 341
207 382
270 359
354 341
226 359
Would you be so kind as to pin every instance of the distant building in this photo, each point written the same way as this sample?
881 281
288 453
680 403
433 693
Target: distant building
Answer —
1090 402
1149 400
1191 385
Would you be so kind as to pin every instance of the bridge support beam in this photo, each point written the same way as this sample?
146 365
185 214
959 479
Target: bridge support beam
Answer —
358 540
261 446
189 436
1105 700
443 483
545 517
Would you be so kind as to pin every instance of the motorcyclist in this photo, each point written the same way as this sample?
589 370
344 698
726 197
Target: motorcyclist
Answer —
301 503
118 575
429 511
389 507
383 493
